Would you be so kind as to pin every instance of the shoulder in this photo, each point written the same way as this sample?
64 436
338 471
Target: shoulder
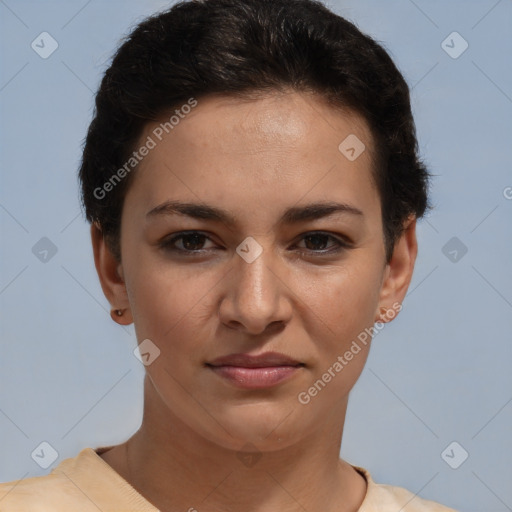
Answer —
388 498
41 493
84 482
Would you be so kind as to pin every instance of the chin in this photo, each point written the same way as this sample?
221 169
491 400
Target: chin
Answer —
265 426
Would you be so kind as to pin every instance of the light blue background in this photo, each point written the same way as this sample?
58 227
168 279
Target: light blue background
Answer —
439 373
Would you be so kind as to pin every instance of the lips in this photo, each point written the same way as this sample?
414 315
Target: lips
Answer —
268 359
255 372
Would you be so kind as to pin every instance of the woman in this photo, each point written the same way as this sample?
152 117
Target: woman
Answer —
252 182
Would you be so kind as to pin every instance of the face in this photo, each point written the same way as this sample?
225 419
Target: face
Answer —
283 252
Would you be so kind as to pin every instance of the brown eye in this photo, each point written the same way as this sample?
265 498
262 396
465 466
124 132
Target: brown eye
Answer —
316 241
319 243
192 242
189 242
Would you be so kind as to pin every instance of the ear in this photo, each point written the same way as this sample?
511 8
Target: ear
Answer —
110 273
398 273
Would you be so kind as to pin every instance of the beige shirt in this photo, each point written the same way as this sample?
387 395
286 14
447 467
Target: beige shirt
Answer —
86 483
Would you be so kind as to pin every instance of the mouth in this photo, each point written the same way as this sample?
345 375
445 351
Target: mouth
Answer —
255 372
255 378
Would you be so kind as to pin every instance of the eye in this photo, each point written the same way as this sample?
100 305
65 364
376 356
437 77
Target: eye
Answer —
317 242
191 242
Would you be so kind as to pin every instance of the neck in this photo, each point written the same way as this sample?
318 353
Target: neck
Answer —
175 468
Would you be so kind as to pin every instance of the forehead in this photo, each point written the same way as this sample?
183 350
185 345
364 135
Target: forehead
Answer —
275 148
265 121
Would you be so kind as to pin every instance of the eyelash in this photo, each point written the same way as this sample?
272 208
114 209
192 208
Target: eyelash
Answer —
167 244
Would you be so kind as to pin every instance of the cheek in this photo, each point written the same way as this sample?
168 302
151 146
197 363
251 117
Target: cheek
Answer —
171 305
345 299
341 313
179 301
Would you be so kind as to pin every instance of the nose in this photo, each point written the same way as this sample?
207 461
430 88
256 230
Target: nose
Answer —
256 297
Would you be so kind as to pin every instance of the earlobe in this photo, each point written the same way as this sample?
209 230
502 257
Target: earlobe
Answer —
121 316
110 274
383 315
398 272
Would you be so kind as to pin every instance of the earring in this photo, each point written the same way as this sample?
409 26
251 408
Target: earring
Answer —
116 313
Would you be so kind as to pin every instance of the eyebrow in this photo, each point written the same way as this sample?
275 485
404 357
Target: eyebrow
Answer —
292 215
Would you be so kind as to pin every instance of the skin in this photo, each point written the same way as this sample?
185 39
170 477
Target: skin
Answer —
254 159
